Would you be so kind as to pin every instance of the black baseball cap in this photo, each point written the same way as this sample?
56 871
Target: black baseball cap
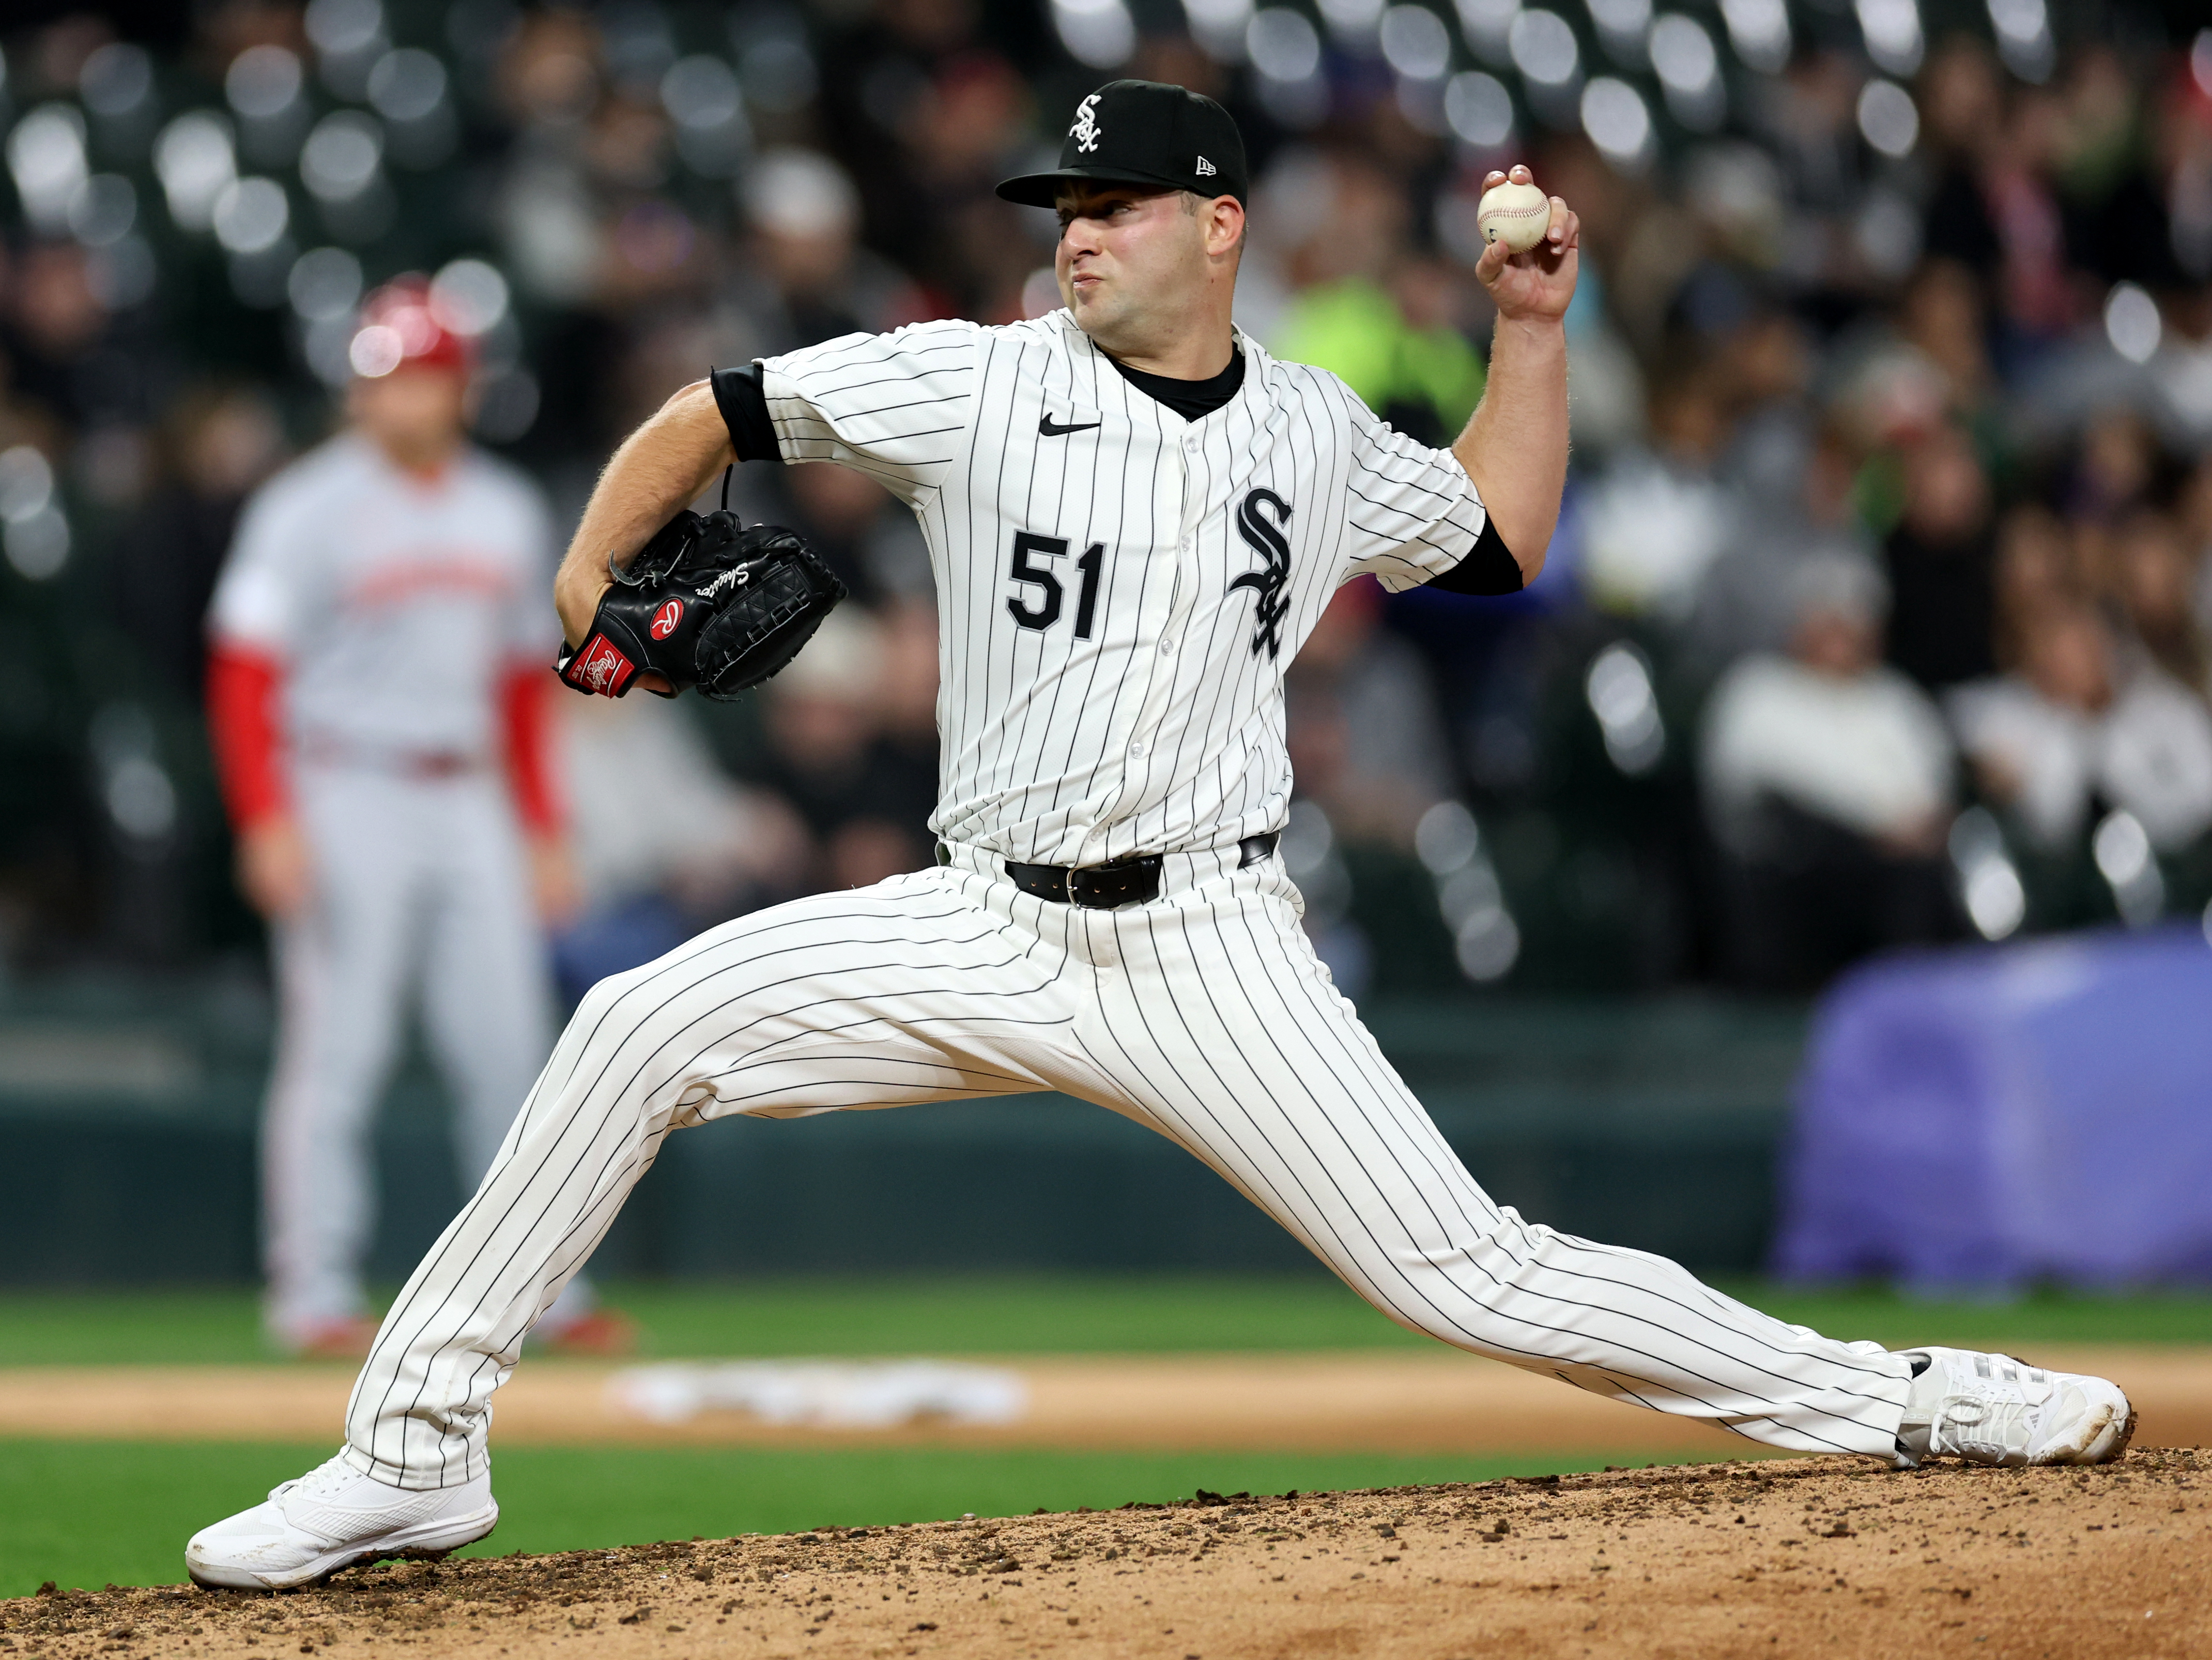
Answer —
1144 132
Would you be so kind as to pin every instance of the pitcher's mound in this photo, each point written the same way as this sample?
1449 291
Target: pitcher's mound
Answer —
1785 1558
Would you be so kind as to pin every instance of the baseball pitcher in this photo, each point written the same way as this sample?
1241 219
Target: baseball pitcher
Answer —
1135 514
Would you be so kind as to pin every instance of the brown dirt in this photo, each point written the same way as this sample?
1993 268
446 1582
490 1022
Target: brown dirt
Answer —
1376 1400
1826 1556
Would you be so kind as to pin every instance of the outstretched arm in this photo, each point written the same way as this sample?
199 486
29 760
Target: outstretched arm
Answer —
660 467
1515 446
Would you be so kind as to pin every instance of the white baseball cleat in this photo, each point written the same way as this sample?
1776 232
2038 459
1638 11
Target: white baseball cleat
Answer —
331 1518
1994 1409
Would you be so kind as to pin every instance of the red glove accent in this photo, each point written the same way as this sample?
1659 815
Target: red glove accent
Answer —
526 717
243 689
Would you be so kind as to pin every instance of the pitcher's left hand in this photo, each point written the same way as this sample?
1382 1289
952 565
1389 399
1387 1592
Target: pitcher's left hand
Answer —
1535 286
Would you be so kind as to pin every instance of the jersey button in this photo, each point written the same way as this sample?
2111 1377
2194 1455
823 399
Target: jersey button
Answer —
1136 750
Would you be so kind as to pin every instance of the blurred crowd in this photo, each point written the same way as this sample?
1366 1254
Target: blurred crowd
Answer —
1878 613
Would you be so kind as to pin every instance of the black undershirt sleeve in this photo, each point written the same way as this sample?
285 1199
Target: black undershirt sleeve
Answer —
744 405
1490 568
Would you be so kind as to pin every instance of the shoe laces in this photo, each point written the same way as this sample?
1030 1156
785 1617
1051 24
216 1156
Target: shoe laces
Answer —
1989 1406
328 1476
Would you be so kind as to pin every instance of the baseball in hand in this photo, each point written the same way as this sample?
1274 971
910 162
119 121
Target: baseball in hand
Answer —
1515 215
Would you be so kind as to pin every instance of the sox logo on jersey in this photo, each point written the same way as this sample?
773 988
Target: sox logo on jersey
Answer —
1267 539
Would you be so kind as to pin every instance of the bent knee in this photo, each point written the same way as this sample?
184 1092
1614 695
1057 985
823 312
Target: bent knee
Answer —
618 1008
626 1045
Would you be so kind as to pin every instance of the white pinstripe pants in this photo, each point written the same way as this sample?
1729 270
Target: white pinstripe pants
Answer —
1203 1015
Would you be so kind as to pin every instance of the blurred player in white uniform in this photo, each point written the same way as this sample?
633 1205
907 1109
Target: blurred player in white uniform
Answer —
377 690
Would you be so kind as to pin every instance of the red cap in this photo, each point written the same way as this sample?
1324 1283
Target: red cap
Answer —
399 325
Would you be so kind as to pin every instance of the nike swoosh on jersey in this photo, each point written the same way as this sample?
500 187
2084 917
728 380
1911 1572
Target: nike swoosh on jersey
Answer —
1048 428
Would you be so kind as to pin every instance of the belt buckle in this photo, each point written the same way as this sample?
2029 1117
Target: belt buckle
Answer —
1067 885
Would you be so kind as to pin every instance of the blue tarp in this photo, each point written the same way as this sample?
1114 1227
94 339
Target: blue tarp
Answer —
1991 1118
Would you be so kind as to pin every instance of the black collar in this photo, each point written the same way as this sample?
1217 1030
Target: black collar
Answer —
1194 400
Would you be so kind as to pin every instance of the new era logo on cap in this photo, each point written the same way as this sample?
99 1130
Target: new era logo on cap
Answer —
1143 132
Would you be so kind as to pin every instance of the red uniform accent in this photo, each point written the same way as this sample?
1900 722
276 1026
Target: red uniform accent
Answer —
243 690
527 722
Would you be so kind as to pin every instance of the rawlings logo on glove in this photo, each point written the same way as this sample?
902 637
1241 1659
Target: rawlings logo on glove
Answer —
599 668
707 603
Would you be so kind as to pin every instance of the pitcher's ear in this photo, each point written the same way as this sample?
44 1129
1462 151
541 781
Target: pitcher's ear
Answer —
1227 223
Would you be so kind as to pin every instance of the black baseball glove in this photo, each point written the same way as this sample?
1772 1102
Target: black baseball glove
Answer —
707 603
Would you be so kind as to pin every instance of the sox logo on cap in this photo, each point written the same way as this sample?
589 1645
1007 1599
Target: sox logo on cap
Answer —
1085 130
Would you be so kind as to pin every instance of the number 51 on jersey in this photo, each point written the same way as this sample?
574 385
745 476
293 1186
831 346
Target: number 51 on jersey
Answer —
1045 578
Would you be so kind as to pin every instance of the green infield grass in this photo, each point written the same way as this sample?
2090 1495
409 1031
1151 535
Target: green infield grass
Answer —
1056 1314
93 1513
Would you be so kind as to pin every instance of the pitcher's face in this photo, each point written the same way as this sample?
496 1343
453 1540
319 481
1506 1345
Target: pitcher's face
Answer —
1126 251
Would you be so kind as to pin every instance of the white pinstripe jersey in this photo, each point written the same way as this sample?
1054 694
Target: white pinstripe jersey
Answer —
1119 589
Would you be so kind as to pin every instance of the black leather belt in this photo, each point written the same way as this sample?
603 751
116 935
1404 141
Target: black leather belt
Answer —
1094 887
1103 887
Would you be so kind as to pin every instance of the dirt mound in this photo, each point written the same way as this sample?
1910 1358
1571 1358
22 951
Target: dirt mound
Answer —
1783 1557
